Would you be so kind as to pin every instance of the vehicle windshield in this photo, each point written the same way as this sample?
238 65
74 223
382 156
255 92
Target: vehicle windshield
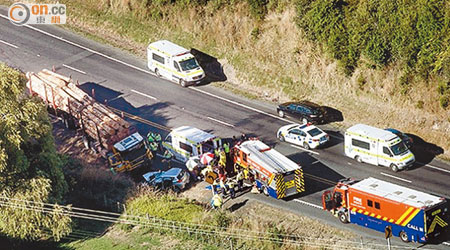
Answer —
399 148
315 131
189 64
180 175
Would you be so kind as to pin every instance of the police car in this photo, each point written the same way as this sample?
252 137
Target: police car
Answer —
305 135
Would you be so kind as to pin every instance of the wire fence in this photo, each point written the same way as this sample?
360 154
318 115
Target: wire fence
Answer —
221 236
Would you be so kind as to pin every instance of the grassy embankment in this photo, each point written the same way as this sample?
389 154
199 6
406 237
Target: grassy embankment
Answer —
266 55
212 229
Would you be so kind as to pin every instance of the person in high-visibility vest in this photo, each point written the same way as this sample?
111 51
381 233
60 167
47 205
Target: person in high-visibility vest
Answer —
167 157
223 188
223 158
226 148
150 137
216 201
230 184
240 180
216 152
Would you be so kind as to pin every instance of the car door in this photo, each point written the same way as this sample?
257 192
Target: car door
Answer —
176 71
299 112
291 109
295 136
384 155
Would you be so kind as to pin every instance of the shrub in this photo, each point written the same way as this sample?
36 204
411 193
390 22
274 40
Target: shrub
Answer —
258 8
444 101
419 104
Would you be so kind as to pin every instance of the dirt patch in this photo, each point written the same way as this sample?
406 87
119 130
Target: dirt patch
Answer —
69 142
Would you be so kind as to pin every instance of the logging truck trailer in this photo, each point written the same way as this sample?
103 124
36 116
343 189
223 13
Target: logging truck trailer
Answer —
409 214
102 130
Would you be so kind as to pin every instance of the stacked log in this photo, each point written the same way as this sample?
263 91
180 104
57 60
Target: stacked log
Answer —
61 94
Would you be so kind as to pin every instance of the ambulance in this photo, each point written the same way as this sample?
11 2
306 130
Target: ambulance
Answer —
174 63
409 214
378 147
186 141
274 174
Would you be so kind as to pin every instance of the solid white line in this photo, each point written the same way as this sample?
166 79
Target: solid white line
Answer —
74 69
314 162
395 177
307 150
149 96
9 44
308 204
446 243
440 169
241 105
85 48
221 122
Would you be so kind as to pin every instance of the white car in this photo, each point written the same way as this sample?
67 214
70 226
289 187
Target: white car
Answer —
305 135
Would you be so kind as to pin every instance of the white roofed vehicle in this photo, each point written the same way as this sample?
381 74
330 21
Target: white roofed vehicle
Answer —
275 174
130 153
305 135
187 141
377 146
174 62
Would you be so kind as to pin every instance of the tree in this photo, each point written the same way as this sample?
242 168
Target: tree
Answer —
30 167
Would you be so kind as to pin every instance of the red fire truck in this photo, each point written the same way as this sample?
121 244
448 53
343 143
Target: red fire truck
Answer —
412 215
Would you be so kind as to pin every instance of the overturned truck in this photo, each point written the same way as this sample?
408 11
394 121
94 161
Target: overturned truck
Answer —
102 130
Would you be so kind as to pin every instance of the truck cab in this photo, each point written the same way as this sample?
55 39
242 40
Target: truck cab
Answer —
130 153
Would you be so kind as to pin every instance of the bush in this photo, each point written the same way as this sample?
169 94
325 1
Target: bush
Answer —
444 101
258 8
419 104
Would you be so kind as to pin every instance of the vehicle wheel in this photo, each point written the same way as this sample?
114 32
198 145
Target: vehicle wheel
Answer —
358 159
404 236
394 168
306 146
183 83
343 217
157 73
176 189
304 120
265 191
281 137
86 142
280 113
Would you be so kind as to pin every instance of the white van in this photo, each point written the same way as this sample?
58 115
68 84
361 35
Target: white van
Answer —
174 62
377 146
186 141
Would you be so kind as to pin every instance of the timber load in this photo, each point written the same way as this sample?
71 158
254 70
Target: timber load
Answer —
77 108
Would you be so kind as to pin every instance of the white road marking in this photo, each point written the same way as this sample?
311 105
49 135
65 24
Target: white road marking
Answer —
314 162
307 150
241 105
74 69
395 177
221 122
151 73
446 243
148 96
9 44
349 163
433 167
308 204
85 48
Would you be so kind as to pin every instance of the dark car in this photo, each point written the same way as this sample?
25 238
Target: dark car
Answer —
174 178
406 139
303 110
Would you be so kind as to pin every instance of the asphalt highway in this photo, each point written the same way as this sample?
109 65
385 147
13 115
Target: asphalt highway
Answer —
125 83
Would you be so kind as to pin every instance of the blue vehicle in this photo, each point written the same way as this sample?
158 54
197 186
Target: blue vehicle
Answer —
175 179
406 139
